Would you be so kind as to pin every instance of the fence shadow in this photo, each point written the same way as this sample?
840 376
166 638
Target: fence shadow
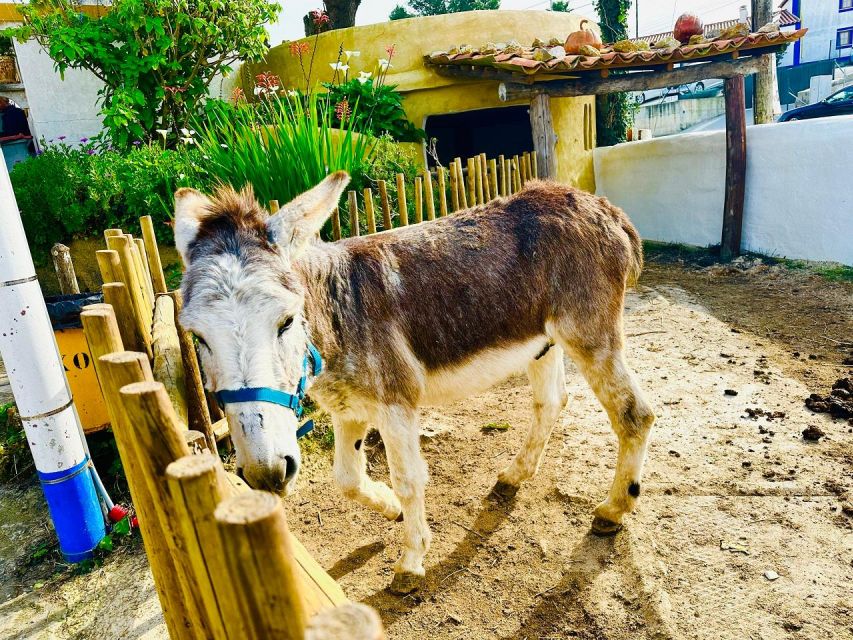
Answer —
356 559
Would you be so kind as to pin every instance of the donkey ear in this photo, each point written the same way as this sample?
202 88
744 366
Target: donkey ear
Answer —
301 218
190 207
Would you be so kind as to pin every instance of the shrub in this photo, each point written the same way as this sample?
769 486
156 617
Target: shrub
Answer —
380 108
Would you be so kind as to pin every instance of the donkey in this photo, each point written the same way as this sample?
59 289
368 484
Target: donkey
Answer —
420 315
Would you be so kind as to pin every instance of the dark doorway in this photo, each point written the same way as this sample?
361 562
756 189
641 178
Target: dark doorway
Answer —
503 130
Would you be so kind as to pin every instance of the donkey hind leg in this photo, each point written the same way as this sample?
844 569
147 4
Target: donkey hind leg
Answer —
547 376
351 469
399 430
631 417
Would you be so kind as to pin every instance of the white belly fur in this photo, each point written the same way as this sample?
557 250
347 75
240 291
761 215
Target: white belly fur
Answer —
480 372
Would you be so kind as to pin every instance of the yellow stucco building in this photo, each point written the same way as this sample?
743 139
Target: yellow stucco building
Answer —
481 119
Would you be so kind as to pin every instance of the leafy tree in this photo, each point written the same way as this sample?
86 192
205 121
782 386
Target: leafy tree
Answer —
560 5
341 12
156 58
613 115
439 7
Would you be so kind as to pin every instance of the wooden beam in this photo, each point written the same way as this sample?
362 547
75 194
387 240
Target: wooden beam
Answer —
544 137
735 167
638 81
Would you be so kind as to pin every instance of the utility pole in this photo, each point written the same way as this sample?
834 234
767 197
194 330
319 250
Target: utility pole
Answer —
765 102
636 18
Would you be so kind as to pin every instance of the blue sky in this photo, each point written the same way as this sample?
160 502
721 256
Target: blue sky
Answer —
655 15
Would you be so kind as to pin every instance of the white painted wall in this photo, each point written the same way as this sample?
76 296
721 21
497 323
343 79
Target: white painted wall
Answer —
799 195
58 107
823 19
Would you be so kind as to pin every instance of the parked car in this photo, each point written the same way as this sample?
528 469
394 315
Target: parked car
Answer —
641 97
710 85
839 103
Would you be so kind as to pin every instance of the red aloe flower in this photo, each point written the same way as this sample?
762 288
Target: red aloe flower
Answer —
298 49
390 49
342 110
319 17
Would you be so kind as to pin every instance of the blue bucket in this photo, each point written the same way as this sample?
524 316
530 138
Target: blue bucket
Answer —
75 510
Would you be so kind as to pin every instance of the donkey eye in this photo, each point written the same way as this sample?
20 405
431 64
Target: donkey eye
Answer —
285 326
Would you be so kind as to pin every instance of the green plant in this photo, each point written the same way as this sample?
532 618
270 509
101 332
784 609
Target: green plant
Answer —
156 58
439 7
15 458
380 109
559 5
613 115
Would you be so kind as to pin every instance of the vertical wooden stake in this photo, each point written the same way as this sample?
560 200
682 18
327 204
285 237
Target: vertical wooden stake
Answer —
460 174
525 174
419 214
428 196
534 167
516 169
109 233
64 269
368 211
155 266
132 334
503 169
108 265
383 203
442 193
352 201
130 278
493 178
478 172
143 255
402 210
275 207
168 363
735 167
472 182
336 224
454 187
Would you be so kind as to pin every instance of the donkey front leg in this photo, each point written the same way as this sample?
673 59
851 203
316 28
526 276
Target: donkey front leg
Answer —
351 469
399 430
547 376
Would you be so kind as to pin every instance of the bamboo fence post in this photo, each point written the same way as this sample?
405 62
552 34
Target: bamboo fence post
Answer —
402 211
155 266
108 265
198 414
368 211
383 202
109 233
502 166
472 182
154 438
478 173
336 224
428 196
64 269
516 175
460 175
115 369
197 484
141 274
274 206
352 202
419 207
143 255
493 176
259 562
167 364
487 191
133 335
442 193
454 187
522 164
534 166
130 278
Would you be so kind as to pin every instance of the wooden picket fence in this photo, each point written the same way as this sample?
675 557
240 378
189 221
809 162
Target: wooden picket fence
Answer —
459 186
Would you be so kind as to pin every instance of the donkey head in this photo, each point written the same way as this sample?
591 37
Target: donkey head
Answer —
244 303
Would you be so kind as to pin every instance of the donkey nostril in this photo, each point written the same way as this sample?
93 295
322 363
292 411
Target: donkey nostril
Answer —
291 468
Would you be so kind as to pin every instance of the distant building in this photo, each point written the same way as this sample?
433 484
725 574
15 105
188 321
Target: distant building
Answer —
830 36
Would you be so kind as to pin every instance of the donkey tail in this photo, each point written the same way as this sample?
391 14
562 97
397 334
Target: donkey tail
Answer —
635 266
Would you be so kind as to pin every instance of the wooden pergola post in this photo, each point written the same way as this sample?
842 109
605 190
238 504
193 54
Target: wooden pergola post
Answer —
544 137
735 167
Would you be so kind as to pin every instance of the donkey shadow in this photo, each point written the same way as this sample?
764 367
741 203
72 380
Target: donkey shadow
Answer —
493 513
355 559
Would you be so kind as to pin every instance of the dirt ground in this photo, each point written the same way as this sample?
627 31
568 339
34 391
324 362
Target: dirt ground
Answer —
744 529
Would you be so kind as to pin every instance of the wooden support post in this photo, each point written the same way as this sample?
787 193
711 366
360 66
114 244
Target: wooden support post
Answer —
64 269
442 193
428 195
454 186
544 137
352 202
134 336
402 209
259 563
735 167
199 417
419 213
383 203
368 211
155 266
765 102
493 178
167 364
336 224
108 265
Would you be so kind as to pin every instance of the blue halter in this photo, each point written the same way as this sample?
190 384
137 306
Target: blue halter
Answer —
292 401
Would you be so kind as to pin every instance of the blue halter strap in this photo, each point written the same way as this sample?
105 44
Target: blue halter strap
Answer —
292 401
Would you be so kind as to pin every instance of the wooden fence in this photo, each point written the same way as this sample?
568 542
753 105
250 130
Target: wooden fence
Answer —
436 193
223 561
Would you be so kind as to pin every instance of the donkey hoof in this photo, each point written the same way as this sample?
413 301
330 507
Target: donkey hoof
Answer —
603 527
504 490
399 518
405 583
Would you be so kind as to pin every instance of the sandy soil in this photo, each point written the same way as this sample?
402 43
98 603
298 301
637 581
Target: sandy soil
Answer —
740 532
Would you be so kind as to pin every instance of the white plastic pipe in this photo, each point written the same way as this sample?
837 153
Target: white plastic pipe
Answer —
38 382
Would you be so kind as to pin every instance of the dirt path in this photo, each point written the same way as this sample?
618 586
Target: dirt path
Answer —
729 503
